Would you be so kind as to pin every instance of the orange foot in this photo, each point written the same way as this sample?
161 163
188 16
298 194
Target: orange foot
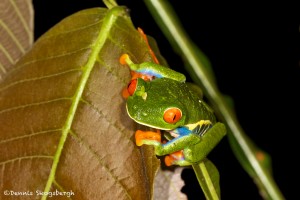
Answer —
146 135
126 92
172 158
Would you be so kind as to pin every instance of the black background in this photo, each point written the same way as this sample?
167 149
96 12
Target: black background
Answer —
254 51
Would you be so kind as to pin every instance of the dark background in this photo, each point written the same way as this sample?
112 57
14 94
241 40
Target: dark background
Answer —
254 51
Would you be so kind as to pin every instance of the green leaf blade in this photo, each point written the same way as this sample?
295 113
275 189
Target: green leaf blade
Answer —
208 178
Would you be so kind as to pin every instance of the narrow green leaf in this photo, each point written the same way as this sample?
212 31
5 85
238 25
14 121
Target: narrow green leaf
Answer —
201 74
208 178
262 157
64 125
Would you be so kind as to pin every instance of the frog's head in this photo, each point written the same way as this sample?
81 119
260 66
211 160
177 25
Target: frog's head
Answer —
157 104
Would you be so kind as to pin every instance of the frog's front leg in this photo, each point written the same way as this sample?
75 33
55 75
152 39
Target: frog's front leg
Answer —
188 148
186 138
209 140
195 153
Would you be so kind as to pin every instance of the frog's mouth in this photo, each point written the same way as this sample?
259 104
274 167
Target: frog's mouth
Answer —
146 124
152 126
149 121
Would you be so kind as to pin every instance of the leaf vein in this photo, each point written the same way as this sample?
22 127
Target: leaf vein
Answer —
28 135
70 53
25 157
109 69
71 31
60 188
6 53
120 130
12 35
32 104
94 153
37 78
2 68
26 26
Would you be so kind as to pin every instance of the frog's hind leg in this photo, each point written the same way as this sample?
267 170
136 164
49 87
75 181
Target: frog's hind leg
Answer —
144 36
185 139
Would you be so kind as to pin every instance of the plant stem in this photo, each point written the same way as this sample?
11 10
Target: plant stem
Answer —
169 23
110 3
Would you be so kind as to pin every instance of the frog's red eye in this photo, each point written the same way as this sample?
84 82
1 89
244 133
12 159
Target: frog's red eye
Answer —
172 115
132 86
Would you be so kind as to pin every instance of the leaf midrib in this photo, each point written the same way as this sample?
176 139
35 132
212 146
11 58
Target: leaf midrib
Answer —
107 24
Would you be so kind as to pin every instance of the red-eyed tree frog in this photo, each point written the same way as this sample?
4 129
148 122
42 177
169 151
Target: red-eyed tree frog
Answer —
161 99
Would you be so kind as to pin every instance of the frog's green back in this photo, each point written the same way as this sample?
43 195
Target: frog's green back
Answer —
199 109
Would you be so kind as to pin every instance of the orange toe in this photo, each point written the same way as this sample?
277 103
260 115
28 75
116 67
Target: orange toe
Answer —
123 59
146 135
173 157
169 160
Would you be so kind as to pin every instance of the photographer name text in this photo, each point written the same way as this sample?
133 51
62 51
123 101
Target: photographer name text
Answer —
38 193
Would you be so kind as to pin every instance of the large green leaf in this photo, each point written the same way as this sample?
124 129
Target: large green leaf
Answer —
63 121
16 32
